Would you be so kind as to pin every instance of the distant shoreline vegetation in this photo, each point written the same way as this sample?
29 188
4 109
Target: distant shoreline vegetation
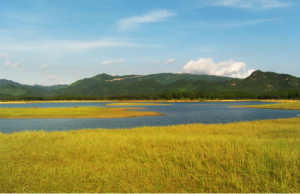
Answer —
195 95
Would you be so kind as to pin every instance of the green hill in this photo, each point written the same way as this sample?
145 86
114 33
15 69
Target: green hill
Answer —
260 82
162 77
49 88
12 90
106 85
4 82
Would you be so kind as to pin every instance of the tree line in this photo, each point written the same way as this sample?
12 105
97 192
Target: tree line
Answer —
194 95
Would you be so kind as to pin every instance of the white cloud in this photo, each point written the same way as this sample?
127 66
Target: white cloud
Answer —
106 63
226 68
52 77
243 74
155 16
248 4
3 55
155 62
43 67
16 65
170 61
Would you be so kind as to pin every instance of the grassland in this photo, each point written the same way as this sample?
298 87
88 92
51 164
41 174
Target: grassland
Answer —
80 112
294 105
135 104
258 156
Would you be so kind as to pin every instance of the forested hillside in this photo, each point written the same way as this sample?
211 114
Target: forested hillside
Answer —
258 85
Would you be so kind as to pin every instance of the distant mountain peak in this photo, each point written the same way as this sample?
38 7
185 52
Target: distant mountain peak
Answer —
257 76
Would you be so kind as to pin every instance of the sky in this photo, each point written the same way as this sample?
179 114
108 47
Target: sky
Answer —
50 42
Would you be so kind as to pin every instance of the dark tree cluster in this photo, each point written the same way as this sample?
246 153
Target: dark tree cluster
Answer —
282 94
195 95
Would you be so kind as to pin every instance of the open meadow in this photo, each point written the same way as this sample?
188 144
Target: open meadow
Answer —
257 156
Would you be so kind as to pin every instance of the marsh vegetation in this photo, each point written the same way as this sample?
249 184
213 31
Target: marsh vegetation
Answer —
294 105
257 156
78 112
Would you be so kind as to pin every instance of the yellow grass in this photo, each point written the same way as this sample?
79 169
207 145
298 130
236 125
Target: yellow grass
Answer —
293 105
80 112
258 156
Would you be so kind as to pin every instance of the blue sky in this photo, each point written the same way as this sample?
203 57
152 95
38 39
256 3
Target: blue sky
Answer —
51 42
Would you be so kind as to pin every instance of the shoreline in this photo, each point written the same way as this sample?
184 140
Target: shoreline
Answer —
115 101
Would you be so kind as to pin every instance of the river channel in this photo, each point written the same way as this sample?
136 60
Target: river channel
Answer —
177 113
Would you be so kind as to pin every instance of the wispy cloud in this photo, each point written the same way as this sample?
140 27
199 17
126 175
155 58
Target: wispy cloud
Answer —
31 18
232 24
43 67
248 4
65 45
16 65
155 62
226 24
155 16
169 61
84 45
3 55
106 63
53 77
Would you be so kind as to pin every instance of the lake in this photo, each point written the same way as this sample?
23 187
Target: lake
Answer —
178 113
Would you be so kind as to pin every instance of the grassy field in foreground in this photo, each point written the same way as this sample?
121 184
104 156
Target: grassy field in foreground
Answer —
258 156
286 105
80 112
135 104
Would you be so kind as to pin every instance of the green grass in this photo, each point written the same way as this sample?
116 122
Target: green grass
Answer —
258 156
285 105
136 104
80 112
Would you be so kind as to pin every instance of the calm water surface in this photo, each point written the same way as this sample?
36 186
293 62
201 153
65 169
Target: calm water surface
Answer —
178 113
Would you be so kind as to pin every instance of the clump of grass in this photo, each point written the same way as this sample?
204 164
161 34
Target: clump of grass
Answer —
295 105
80 112
135 104
258 156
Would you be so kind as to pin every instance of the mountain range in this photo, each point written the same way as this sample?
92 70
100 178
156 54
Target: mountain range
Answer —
103 85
